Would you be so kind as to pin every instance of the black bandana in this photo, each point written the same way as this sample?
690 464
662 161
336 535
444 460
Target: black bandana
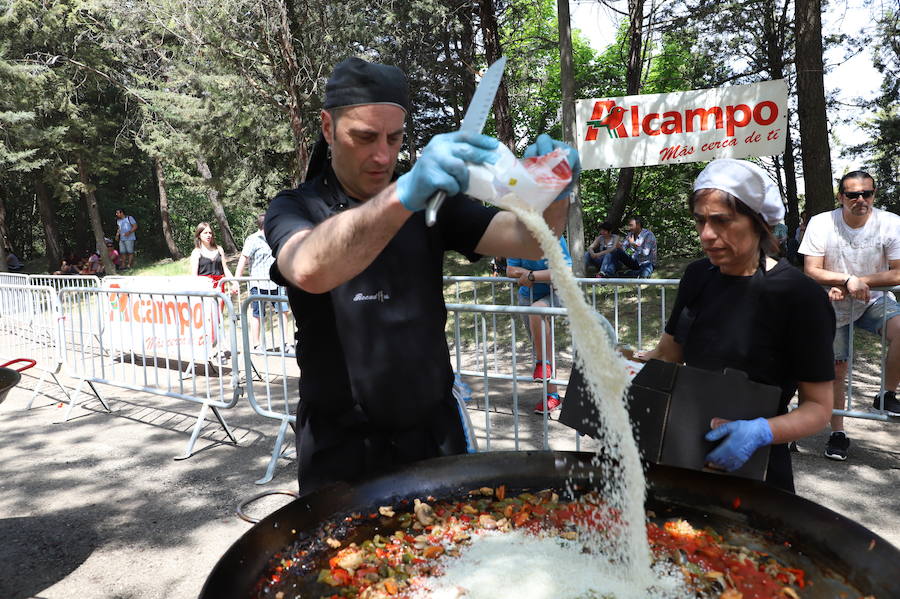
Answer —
355 81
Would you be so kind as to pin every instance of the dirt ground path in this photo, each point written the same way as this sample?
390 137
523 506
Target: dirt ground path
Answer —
98 508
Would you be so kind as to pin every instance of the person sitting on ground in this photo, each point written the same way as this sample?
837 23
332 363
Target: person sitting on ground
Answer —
600 252
208 258
12 261
92 266
66 268
637 254
535 290
113 253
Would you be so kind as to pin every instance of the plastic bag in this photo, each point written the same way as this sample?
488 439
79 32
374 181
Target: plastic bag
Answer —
537 180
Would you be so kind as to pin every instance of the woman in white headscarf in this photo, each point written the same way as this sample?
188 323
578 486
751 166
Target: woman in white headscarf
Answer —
737 308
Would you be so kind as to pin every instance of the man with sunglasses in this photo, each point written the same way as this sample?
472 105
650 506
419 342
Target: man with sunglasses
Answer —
850 250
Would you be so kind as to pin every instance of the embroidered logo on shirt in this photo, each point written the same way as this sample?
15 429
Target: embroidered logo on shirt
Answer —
381 296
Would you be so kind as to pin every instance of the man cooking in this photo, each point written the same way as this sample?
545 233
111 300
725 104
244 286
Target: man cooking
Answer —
364 277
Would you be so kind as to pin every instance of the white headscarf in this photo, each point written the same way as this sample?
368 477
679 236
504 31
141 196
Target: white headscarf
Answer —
745 181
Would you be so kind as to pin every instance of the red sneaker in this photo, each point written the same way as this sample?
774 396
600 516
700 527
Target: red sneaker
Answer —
542 370
553 403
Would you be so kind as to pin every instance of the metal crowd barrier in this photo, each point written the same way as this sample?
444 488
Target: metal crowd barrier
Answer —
849 412
31 327
270 364
13 278
63 281
170 344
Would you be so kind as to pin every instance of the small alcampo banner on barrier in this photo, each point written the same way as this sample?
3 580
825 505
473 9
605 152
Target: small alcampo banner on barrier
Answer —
163 324
693 126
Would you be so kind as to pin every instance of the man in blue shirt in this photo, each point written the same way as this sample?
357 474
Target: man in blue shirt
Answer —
535 290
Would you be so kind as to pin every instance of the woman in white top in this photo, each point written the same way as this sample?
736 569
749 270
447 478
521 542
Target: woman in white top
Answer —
208 258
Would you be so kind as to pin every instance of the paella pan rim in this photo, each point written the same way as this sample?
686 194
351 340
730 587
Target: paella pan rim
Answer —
836 544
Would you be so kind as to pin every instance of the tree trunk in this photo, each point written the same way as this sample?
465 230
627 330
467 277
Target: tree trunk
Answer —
291 76
165 221
52 238
4 236
790 183
814 147
632 87
94 215
575 222
227 238
492 52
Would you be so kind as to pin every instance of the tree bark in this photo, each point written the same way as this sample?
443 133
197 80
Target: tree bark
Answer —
814 147
4 236
55 250
790 182
94 215
490 33
632 87
212 194
164 219
291 77
575 224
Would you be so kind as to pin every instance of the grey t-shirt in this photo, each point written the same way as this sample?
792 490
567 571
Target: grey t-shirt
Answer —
256 249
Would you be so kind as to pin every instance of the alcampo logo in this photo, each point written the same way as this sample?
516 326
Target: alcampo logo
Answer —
138 309
608 115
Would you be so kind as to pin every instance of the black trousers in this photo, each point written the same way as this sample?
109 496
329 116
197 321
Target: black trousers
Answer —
347 447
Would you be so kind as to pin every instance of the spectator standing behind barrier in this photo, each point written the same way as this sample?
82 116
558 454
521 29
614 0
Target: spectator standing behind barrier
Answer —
601 251
535 290
127 238
208 258
364 277
257 253
849 250
638 251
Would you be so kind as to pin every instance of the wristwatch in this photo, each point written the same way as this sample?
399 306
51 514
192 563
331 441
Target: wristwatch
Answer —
531 275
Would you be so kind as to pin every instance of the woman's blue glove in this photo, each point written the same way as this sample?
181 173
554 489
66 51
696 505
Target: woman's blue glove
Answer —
442 166
544 144
744 437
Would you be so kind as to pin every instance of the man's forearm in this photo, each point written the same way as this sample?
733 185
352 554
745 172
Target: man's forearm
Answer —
826 277
887 278
339 248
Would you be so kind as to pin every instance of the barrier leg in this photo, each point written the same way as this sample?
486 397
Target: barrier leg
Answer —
225 427
276 453
198 426
100 397
37 390
73 400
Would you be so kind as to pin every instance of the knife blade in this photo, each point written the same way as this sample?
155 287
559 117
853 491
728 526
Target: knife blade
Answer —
473 122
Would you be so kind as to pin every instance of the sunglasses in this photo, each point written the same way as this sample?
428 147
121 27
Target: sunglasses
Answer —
852 195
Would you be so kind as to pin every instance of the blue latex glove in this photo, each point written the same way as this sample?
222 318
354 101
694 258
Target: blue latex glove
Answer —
544 144
743 438
442 166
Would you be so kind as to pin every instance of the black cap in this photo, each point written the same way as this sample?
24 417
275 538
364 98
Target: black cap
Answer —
355 81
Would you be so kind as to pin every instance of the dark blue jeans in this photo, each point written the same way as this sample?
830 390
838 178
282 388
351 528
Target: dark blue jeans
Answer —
617 259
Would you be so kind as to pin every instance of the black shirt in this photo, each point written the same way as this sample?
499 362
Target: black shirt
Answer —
779 332
377 342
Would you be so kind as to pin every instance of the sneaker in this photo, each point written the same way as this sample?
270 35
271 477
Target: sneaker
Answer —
792 446
542 371
553 403
837 446
891 403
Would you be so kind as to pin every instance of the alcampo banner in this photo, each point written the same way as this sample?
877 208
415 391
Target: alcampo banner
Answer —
693 126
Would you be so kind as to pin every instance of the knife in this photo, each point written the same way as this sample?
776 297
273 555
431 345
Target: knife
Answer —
473 122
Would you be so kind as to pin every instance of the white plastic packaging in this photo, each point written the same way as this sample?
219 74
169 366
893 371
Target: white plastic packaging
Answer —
536 181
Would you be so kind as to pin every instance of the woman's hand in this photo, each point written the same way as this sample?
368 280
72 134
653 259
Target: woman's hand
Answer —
742 439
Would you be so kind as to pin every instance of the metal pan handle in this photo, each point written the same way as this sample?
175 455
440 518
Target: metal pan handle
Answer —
31 364
239 510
